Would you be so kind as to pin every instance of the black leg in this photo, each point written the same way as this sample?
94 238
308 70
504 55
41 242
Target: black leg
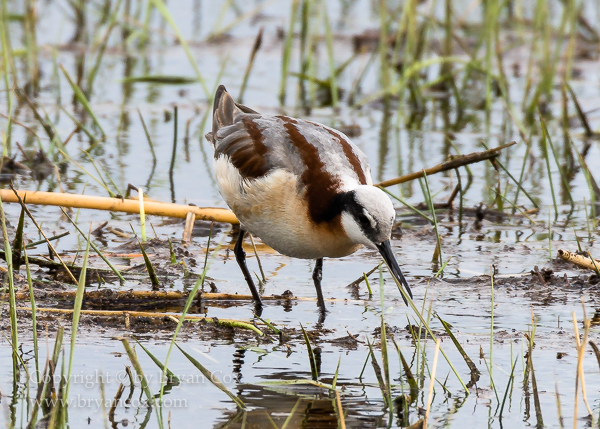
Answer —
240 257
317 277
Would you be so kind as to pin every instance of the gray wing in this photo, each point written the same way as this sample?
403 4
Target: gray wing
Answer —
257 144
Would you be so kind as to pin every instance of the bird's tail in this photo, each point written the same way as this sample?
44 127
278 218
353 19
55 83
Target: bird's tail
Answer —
224 109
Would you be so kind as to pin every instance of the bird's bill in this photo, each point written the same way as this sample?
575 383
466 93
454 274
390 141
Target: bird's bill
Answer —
388 256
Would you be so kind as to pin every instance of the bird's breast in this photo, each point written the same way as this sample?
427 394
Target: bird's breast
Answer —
275 209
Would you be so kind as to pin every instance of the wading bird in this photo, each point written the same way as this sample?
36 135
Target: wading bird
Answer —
305 189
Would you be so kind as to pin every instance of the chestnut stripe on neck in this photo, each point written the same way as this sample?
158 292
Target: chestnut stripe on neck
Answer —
349 153
321 187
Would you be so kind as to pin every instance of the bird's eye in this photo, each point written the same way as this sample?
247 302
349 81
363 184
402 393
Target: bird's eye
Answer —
363 220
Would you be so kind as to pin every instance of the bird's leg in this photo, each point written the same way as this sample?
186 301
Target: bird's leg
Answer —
240 257
317 277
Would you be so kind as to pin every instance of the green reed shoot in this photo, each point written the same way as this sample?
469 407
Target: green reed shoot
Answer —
96 249
253 52
511 380
164 11
171 378
188 303
80 96
77 313
148 138
210 233
305 56
580 113
100 181
287 51
94 141
160 79
8 67
149 267
33 315
562 173
102 49
330 57
412 208
472 367
549 236
384 348
368 284
435 224
519 182
592 185
213 379
174 152
544 145
414 388
492 330
314 369
18 242
142 214
140 376
411 304
291 415
11 288
380 378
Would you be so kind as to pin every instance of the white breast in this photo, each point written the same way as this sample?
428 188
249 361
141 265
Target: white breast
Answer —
271 208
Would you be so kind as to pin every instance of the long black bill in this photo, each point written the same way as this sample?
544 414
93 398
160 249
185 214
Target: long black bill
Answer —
386 251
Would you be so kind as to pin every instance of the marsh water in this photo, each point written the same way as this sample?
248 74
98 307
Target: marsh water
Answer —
398 138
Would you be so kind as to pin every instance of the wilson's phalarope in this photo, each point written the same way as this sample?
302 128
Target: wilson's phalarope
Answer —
305 189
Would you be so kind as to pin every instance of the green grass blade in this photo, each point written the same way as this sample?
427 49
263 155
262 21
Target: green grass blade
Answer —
82 99
435 224
510 380
330 57
563 176
314 371
149 267
139 371
289 417
472 367
161 79
412 382
544 144
18 242
255 49
287 51
33 316
379 376
98 251
172 378
518 183
164 11
77 313
11 286
102 48
188 304
213 379
147 136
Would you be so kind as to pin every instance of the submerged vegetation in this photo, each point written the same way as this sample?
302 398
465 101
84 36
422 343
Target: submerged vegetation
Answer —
480 122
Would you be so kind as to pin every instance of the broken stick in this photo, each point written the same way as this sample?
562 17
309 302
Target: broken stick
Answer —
581 261
451 164
118 205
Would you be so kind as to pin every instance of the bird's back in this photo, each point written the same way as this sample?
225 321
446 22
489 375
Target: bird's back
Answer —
259 144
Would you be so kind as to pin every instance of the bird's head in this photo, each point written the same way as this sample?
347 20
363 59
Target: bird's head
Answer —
367 217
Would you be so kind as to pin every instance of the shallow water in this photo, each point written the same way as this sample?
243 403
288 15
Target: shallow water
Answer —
243 362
